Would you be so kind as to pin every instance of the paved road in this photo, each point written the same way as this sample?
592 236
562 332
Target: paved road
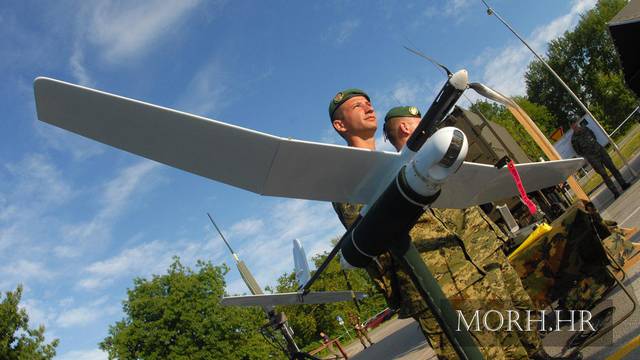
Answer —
396 339
624 210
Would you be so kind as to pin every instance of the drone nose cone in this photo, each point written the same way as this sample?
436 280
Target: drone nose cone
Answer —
460 79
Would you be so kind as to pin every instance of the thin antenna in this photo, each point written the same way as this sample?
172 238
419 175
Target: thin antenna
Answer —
223 238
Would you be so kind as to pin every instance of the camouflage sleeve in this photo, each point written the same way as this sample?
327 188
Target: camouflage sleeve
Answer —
480 236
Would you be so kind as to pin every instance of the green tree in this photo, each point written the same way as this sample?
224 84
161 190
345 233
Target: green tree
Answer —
499 114
585 59
178 316
17 340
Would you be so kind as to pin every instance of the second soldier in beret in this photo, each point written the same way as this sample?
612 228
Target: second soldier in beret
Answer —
400 122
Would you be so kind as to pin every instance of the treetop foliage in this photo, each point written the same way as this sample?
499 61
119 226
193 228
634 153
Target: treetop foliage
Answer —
178 316
585 58
17 340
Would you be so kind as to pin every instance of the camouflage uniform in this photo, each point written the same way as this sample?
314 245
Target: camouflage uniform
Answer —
462 248
585 144
556 267
361 332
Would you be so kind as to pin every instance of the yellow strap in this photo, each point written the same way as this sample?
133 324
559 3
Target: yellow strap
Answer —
625 349
535 235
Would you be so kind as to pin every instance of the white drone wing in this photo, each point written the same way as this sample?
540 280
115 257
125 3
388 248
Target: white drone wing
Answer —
321 297
258 162
251 160
475 184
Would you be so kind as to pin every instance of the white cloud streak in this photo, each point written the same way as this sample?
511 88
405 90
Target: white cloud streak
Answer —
32 187
115 197
247 227
26 270
79 147
205 93
125 30
454 8
78 69
94 354
342 31
85 315
146 259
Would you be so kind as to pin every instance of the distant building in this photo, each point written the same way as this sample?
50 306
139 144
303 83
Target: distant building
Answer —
300 264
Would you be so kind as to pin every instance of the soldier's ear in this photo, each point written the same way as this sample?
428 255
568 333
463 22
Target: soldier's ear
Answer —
405 128
339 125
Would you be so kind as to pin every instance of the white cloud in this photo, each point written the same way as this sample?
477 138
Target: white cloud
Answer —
341 32
405 92
115 197
64 251
78 69
84 315
454 8
36 177
77 317
29 189
24 270
39 313
56 138
136 260
408 92
146 259
205 93
95 354
124 30
247 227
504 69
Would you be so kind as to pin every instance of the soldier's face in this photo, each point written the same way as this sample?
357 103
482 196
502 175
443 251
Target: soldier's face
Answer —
355 116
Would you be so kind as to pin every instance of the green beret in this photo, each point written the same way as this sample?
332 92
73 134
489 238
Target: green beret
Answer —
343 96
402 111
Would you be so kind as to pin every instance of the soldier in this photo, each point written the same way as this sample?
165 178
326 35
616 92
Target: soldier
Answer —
361 331
461 248
585 144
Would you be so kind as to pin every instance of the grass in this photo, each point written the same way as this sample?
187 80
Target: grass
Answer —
630 145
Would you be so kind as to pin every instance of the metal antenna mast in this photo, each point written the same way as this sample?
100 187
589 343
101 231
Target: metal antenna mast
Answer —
277 321
223 238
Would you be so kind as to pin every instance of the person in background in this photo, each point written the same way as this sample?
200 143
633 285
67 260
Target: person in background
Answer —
361 331
585 144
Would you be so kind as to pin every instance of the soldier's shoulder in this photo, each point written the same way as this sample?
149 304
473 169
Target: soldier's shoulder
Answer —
347 212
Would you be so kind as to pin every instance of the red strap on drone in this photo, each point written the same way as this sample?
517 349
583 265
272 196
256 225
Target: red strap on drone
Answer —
523 194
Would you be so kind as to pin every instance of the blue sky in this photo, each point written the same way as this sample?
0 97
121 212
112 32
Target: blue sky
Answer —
79 220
